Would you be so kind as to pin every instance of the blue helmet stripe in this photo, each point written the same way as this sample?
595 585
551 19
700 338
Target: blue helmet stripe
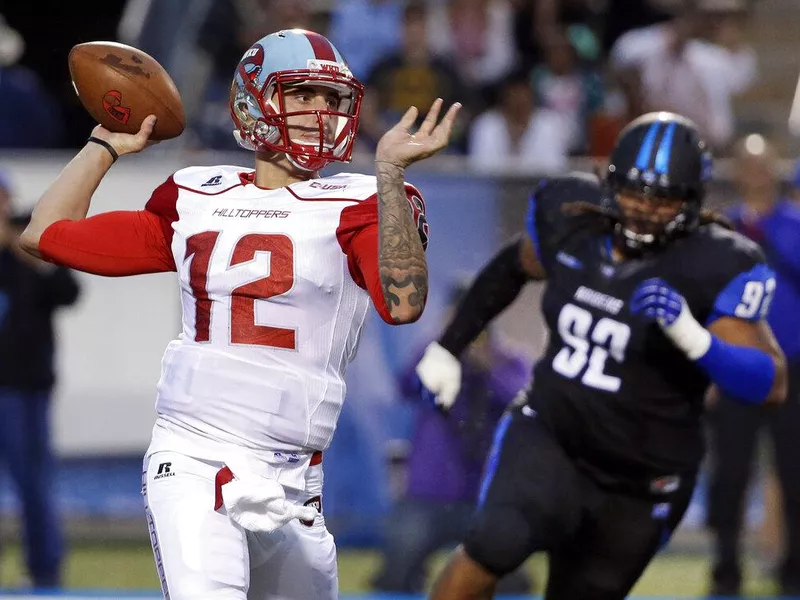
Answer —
664 150
643 158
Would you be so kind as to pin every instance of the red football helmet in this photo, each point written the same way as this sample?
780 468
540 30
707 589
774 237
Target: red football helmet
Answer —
288 59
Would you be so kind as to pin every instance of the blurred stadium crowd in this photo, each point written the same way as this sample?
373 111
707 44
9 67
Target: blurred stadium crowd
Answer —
533 74
545 84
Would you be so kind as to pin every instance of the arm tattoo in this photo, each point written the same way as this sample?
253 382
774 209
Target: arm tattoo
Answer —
401 257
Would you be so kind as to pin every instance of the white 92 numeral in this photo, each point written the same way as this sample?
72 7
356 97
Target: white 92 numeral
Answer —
607 337
756 299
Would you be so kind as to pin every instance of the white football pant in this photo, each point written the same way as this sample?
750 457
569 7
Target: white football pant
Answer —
201 554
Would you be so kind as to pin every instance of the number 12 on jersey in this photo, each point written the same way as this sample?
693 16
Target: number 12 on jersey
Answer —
589 343
243 327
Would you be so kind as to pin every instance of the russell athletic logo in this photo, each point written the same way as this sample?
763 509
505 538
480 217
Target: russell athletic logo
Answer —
164 470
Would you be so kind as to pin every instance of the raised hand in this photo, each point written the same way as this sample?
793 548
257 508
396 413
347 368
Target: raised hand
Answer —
128 143
401 147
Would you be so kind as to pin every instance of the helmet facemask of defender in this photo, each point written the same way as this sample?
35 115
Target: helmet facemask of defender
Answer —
278 66
657 175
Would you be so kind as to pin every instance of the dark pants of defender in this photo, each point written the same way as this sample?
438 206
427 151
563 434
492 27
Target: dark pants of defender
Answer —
734 429
535 499
415 531
25 452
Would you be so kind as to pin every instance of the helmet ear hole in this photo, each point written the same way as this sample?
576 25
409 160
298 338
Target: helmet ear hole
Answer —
267 132
247 114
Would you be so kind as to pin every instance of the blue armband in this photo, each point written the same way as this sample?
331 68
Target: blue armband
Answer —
742 373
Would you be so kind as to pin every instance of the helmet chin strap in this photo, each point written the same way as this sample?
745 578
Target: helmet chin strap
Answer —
316 163
633 244
633 238
636 244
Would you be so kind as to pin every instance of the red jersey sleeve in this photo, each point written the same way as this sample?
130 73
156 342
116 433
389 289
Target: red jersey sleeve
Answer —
418 211
358 237
117 243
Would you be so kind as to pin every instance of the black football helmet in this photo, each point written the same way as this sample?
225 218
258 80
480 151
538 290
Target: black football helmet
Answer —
659 156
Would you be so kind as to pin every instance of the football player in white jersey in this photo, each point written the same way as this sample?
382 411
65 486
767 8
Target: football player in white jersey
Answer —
276 268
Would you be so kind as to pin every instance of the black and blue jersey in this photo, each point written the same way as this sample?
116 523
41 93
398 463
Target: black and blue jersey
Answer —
615 391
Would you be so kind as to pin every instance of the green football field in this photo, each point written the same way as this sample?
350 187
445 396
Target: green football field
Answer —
129 567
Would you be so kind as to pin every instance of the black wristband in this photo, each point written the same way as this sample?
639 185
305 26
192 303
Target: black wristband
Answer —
106 145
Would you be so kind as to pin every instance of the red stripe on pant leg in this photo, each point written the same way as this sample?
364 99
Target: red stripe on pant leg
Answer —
224 475
321 46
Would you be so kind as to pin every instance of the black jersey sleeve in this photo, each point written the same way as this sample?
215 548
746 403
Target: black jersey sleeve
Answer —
546 222
734 278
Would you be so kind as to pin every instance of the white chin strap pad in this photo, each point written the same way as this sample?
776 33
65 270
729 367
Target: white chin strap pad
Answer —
296 164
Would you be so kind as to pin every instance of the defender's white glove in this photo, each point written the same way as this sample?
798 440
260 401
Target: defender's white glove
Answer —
658 301
439 373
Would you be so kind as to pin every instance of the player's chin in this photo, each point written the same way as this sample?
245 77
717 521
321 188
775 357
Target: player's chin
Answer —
312 139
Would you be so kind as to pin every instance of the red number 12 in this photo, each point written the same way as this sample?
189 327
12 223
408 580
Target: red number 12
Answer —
243 298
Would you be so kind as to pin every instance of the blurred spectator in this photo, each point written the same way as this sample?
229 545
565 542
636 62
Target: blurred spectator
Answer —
29 117
30 292
767 217
228 30
51 29
517 134
220 29
476 35
411 77
258 16
622 16
536 20
366 30
445 463
563 85
680 72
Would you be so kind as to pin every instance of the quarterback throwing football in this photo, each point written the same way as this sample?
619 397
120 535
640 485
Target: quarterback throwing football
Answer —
276 268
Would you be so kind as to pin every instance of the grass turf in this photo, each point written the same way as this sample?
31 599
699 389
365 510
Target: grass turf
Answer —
130 566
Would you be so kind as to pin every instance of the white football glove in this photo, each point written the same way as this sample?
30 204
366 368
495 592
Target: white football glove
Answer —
440 374
656 300
259 504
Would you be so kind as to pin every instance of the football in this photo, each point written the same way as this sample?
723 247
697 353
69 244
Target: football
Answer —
120 85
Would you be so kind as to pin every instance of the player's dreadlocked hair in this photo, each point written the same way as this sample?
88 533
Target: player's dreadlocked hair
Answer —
590 218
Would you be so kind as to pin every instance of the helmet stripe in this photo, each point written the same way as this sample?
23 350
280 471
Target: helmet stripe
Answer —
643 158
323 50
664 150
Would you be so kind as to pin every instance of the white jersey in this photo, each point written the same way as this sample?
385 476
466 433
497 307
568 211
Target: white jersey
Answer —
273 306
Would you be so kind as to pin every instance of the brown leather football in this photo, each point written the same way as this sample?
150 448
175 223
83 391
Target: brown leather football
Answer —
120 85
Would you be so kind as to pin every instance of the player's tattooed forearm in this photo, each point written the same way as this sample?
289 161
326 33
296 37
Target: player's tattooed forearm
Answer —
402 264
413 290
